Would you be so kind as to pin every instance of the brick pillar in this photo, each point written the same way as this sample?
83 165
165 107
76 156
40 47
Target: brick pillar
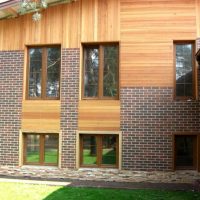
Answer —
69 105
11 85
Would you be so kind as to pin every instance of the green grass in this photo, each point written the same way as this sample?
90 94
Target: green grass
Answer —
108 157
50 156
16 191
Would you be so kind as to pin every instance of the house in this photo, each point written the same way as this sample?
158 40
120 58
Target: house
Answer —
100 83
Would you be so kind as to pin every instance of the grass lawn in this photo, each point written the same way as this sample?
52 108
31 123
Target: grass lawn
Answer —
17 191
50 156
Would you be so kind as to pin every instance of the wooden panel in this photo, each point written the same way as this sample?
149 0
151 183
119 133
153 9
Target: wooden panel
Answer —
99 115
41 116
198 17
59 25
148 29
71 25
100 20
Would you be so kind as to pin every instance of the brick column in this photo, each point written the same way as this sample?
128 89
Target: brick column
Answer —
11 85
69 105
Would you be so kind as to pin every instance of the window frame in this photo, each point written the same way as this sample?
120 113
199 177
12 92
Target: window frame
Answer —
43 73
99 139
100 46
194 71
41 149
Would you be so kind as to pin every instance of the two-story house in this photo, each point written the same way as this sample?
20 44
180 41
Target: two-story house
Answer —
100 83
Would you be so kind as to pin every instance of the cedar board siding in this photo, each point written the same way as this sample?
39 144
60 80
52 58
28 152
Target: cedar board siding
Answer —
145 30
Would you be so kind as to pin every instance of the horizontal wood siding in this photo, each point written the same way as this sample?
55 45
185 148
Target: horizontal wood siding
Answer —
99 115
148 29
41 116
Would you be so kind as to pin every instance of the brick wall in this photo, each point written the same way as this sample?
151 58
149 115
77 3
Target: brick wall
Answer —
149 117
11 85
69 105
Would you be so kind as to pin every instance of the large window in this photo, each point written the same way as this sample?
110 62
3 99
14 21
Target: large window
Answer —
100 74
185 70
99 150
43 80
41 149
185 151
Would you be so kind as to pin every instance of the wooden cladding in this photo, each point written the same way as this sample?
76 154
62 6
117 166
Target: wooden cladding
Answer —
99 115
148 29
65 24
41 115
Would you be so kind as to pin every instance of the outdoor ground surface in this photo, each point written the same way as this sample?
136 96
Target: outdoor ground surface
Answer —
17 191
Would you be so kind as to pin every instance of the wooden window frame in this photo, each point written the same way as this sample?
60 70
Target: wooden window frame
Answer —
196 147
194 71
41 147
100 96
99 140
43 74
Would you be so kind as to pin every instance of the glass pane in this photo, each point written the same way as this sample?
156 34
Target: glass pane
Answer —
185 151
184 66
53 72
179 89
109 150
51 149
89 150
35 64
91 73
33 149
188 89
110 73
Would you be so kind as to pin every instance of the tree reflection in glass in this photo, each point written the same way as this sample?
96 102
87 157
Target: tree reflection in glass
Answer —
53 72
184 66
35 73
110 75
91 72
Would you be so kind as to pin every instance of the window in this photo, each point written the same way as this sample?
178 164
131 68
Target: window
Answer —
100 74
99 150
185 151
43 72
185 70
41 149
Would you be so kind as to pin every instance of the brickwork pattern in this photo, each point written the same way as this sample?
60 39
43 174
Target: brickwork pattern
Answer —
69 105
149 118
11 85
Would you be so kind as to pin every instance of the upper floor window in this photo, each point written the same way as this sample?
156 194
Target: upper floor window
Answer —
43 72
185 70
101 71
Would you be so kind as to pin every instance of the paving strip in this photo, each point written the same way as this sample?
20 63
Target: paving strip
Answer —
99 184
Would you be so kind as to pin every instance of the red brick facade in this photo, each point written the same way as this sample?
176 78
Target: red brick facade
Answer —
11 85
149 118
69 105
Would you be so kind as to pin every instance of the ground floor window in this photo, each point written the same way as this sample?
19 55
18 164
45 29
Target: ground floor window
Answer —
40 149
99 150
186 152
